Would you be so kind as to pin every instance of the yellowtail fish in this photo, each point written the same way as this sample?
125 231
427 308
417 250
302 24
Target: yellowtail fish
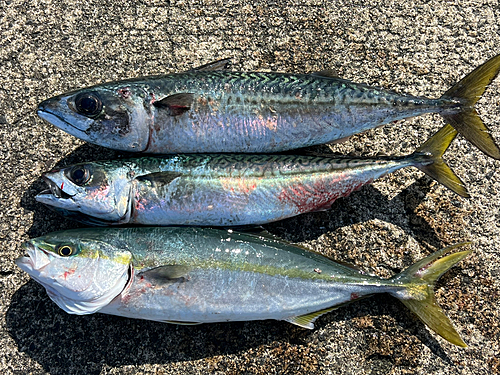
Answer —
198 275
213 110
226 189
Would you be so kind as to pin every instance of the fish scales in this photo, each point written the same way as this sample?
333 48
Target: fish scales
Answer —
240 276
253 193
201 275
284 111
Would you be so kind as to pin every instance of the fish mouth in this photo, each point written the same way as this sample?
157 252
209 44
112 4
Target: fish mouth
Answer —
25 262
51 118
57 121
53 190
35 260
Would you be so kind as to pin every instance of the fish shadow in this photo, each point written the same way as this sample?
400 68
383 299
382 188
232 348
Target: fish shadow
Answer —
361 206
59 341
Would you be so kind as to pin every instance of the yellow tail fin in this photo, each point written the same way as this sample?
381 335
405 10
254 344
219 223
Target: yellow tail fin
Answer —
421 278
434 166
468 91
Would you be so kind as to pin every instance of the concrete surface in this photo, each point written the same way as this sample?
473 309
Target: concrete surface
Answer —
419 47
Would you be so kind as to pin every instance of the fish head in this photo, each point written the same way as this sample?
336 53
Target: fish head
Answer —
80 274
113 116
102 190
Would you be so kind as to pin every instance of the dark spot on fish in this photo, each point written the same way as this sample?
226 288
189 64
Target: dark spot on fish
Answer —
113 122
354 296
125 92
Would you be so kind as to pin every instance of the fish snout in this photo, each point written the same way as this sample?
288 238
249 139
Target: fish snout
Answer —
34 260
49 106
59 111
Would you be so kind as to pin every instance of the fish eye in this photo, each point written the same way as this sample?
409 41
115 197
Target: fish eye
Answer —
65 250
79 174
88 104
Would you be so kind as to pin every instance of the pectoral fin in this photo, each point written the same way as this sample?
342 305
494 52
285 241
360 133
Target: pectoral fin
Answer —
181 323
159 179
176 104
166 273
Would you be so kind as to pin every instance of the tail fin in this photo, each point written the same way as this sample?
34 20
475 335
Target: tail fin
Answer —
421 278
468 91
433 149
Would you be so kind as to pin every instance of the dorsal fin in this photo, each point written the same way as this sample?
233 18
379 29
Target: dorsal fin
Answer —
261 233
222 64
329 73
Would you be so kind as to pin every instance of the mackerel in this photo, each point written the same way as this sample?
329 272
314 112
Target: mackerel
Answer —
226 189
212 110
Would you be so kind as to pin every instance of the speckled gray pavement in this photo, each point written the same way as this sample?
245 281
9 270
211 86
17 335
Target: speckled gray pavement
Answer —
423 47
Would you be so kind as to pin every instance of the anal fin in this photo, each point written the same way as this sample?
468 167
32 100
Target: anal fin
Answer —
307 320
181 323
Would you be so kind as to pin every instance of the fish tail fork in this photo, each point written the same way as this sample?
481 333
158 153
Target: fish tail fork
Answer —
468 91
429 160
419 297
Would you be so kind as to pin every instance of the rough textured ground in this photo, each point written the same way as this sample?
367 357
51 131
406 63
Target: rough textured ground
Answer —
420 47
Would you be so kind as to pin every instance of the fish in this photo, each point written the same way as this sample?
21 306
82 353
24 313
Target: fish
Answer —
226 189
211 109
189 275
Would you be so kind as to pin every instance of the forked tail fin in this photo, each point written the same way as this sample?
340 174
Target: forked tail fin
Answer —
434 166
468 91
420 279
